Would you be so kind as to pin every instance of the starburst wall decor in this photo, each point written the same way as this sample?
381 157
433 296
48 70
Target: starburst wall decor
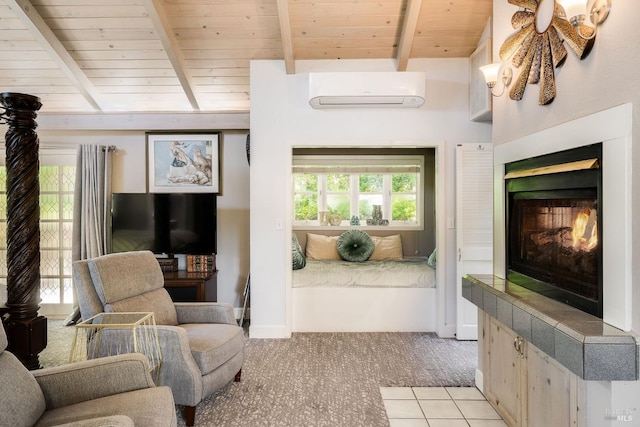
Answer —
537 52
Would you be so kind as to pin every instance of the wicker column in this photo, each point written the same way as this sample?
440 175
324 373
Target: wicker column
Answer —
26 330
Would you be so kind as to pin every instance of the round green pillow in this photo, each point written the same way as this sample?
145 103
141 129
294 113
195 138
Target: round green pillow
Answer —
355 245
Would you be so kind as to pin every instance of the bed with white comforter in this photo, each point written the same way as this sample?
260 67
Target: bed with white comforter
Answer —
389 295
402 273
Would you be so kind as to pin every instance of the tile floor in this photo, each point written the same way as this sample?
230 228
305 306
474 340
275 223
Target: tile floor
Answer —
438 407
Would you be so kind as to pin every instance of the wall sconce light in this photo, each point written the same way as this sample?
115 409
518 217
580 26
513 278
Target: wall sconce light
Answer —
491 73
575 11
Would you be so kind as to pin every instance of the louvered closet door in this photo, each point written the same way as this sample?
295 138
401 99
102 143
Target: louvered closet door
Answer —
474 231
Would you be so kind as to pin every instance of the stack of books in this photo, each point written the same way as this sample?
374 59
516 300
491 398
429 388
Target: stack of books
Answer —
168 264
201 263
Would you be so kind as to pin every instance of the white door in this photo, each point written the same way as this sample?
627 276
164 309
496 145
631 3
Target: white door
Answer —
474 231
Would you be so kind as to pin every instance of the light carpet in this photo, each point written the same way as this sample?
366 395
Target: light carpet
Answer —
320 379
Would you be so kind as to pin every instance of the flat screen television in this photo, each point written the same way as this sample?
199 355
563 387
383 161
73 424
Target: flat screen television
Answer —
164 223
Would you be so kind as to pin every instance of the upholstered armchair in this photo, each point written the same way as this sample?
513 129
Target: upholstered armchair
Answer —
202 346
112 391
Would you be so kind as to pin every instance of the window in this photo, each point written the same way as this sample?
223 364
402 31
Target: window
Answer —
56 217
357 186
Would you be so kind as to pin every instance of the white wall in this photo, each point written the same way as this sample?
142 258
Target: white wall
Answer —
130 175
233 220
281 118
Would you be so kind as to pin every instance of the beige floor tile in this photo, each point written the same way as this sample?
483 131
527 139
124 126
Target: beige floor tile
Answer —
403 409
440 409
477 409
487 423
427 393
397 393
447 423
465 393
397 422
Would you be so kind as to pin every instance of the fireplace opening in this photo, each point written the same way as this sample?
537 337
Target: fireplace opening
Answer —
554 231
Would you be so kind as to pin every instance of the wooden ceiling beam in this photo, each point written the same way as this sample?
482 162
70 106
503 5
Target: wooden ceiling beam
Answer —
142 121
161 24
285 34
408 32
31 19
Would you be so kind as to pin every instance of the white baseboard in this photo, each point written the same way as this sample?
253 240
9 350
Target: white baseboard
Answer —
449 331
479 380
268 332
467 333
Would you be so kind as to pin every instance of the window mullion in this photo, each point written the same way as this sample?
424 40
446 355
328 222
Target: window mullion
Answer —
386 196
355 195
322 190
60 237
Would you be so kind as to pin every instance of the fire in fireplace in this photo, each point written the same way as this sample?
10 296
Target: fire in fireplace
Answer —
553 233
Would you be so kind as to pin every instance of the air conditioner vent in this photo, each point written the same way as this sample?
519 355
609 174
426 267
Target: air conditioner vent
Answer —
366 90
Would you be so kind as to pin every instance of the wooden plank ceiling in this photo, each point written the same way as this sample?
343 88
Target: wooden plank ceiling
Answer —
193 55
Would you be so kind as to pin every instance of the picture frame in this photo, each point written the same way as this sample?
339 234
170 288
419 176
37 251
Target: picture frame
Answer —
480 99
183 162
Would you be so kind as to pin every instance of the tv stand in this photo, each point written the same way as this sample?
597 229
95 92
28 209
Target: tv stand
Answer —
184 286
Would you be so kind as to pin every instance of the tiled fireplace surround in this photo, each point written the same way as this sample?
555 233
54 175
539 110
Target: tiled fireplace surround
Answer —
594 349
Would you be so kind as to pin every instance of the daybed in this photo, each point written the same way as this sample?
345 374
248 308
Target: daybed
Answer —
385 292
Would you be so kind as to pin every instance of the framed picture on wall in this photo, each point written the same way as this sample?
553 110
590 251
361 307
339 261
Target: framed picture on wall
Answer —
183 162
480 102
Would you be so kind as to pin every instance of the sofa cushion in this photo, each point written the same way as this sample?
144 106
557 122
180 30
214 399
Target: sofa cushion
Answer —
113 276
146 407
157 301
112 421
88 300
21 399
108 271
3 340
213 344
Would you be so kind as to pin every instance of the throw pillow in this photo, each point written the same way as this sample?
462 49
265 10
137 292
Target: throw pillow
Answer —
431 261
321 247
355 245
297 257
387 248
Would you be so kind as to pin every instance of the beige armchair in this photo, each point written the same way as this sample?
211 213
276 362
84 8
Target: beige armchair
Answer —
112 391
202 346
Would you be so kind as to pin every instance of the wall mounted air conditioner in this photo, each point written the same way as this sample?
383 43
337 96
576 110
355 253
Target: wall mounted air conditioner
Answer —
366 89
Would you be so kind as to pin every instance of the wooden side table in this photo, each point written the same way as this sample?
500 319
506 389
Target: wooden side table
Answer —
191 286
108 334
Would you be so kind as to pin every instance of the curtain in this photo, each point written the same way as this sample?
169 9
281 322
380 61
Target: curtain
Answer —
91 207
